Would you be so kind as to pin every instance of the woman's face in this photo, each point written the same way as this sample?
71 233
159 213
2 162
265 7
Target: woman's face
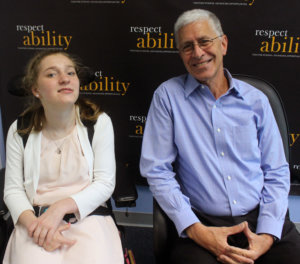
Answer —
57 83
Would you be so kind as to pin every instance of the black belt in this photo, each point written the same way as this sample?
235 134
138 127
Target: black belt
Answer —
71 218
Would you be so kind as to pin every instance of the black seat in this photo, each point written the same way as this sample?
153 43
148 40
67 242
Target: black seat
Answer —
6 224
163 228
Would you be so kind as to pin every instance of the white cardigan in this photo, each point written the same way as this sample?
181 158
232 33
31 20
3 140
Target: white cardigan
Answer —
20 188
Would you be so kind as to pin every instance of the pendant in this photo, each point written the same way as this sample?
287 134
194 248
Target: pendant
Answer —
58 151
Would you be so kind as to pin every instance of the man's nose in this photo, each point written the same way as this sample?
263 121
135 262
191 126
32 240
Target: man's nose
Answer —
197 50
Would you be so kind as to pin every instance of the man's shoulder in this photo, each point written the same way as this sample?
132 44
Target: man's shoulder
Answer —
248 91
172 85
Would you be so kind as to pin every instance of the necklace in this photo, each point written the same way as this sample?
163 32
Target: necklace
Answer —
66 132
59 147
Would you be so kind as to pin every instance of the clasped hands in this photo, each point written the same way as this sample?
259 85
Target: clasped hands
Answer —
46 230
214 239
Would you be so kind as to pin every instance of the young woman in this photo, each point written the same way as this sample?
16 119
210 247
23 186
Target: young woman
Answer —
54 184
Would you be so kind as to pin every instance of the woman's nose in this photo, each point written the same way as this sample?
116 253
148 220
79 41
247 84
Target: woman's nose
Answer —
64 78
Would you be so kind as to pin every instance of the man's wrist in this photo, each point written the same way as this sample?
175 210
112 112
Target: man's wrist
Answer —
271 238
190 231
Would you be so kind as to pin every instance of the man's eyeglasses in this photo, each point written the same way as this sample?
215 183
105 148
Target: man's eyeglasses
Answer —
202 43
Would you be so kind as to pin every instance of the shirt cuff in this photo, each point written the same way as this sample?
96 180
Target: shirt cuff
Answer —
184 219
270 226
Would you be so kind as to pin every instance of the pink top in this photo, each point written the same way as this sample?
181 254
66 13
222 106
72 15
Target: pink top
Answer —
64 174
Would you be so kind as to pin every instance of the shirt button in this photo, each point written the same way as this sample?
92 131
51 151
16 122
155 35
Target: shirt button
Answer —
222 153
229 177
234 202
219 130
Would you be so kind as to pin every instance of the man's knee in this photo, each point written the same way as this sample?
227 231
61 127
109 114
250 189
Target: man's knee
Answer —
287 250
187 251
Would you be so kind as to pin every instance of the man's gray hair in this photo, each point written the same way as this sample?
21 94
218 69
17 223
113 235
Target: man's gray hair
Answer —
190 16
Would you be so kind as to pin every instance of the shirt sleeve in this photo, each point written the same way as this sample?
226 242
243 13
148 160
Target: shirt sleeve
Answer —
15 196
274 195
104 169
158 153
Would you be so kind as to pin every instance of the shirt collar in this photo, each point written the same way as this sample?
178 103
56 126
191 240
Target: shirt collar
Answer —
234 86
191 84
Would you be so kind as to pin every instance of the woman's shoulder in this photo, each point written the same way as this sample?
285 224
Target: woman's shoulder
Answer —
103 120
13 137
13 127
103 117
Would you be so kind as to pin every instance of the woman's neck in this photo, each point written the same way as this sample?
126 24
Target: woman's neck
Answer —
59 123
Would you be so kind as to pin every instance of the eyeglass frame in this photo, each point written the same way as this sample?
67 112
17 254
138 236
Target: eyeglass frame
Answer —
199 45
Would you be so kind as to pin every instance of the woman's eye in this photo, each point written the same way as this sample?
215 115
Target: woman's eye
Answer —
72 73
50 75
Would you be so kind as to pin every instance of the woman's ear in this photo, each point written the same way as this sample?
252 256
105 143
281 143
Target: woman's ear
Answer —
35 92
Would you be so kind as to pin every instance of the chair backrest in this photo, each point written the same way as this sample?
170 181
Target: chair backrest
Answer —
276 104
163 228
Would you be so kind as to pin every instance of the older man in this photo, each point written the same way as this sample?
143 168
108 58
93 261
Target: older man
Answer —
214 159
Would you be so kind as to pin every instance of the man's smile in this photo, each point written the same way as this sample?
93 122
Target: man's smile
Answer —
199 64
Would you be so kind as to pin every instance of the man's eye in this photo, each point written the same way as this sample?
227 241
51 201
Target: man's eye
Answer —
188 47
72 73
204 42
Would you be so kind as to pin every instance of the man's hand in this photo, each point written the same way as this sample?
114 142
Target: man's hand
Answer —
258 245
214 239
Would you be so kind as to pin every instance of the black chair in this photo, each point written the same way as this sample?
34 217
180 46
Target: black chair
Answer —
164 230
6 224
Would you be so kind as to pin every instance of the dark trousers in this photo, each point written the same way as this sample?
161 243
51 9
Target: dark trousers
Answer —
285 251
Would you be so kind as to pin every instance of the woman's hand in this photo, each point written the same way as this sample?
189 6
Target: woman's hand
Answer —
58 239
44 227
26 219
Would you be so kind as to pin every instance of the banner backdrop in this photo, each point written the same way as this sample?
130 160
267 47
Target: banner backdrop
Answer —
130 46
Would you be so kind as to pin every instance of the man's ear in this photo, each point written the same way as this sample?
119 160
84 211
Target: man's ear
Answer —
224 44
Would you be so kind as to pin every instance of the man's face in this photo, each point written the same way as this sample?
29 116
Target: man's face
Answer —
204 64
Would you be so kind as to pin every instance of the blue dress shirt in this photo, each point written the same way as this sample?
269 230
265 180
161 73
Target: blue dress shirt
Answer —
222 157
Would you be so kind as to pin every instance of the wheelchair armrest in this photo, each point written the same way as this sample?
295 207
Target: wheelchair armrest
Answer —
126 200
125 193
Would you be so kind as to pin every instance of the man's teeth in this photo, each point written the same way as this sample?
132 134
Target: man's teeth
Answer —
199 64
202 63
